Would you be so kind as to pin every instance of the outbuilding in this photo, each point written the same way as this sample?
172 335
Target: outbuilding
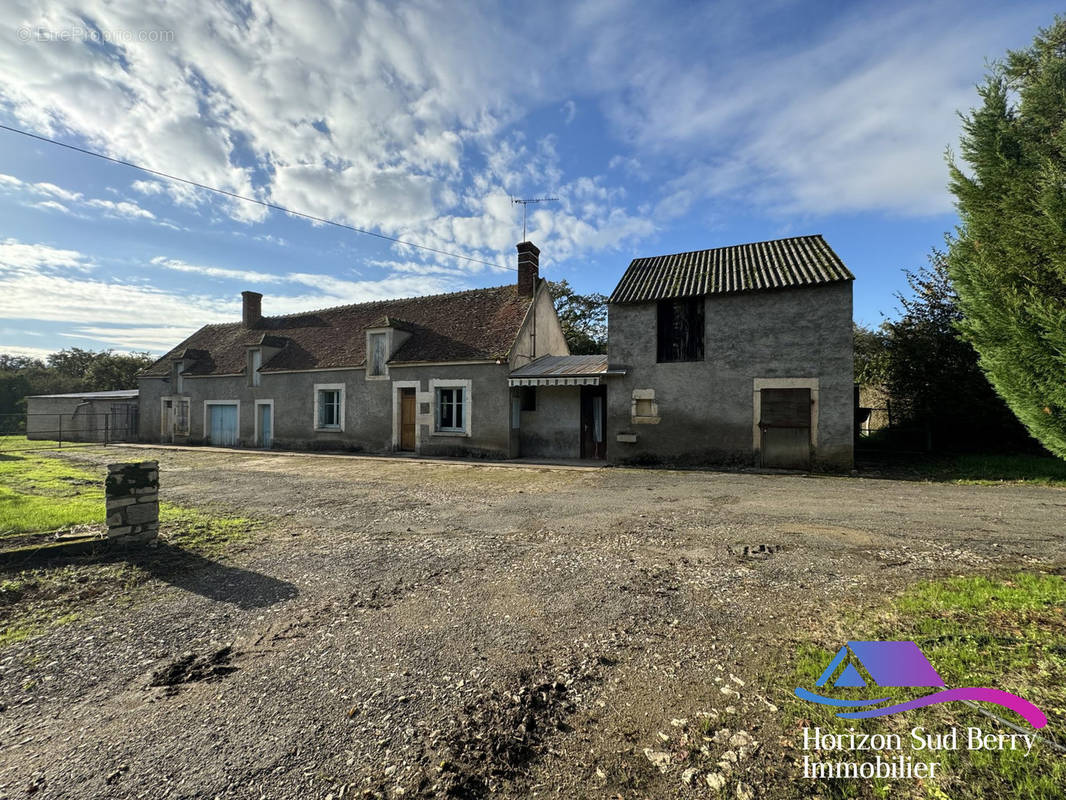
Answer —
83 416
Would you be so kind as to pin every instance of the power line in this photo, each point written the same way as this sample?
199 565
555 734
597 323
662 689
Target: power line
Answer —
234 195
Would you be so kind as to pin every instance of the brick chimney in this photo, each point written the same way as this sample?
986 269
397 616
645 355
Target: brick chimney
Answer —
528 268
252 310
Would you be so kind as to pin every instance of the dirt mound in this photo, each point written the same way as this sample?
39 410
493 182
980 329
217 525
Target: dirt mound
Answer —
191 668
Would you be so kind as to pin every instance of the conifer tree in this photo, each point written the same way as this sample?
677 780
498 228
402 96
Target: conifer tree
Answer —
1007 260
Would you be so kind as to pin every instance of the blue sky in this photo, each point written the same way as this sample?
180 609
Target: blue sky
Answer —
661 128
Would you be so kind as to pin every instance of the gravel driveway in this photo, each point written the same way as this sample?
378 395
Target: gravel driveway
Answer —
403 628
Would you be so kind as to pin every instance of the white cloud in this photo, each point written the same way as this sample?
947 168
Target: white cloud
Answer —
29 352
17 255
52 205
110 208
122 208
248 276
406 117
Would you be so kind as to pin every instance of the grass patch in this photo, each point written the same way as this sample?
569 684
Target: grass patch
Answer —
1005 633
1038 470
40 493
46 493
989 469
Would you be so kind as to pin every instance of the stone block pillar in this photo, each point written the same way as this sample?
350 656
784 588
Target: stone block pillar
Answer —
132 492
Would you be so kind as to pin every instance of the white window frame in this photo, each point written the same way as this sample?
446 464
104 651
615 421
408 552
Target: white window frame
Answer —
207 430
341 399
253 371
387 332
468 406
263 403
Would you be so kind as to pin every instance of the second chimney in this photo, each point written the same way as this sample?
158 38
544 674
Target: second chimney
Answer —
252 310
528 268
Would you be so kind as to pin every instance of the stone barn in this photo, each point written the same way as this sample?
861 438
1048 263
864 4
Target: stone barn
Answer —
736 355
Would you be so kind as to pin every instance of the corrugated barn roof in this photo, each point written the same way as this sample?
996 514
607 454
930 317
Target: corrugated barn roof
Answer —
796 261
562 366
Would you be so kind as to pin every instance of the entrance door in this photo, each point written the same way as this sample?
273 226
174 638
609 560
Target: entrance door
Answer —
166 425
593 421
222 425
785 427
407 419
265 412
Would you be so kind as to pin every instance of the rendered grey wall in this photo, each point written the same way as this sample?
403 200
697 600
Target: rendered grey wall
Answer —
554 429
541 334
368 408
706 407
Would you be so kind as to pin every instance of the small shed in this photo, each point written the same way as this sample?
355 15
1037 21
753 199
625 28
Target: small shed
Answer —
83 416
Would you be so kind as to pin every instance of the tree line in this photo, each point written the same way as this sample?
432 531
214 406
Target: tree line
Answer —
70 370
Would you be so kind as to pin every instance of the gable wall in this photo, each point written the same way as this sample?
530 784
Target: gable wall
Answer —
706 407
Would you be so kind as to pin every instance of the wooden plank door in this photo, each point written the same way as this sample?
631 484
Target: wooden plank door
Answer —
266 425
407 419
223 425
785 426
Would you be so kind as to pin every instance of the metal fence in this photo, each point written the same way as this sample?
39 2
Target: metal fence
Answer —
48 431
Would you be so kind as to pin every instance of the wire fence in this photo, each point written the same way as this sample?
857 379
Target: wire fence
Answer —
52 431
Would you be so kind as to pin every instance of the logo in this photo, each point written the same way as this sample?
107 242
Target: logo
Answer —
902 664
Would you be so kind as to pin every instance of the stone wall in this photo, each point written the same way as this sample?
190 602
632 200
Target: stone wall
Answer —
132 492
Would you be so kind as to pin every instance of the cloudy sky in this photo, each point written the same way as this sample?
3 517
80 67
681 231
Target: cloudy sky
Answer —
660 128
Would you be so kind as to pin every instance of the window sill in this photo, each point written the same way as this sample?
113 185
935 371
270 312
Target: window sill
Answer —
450 433
329 429
645 420
382 377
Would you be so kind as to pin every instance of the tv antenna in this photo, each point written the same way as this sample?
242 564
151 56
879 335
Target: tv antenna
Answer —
525 204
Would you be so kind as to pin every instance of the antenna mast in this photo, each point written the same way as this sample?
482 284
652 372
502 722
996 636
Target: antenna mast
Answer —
525 203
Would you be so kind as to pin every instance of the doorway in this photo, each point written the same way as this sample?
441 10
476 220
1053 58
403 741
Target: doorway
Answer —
264 425
166 421
222 424
407 419
785 428
593 422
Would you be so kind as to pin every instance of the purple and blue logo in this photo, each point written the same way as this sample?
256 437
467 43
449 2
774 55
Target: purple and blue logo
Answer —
902 664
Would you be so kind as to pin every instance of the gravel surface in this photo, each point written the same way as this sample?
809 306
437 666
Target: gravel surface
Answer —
456 630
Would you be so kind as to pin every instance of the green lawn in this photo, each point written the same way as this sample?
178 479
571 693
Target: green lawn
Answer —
44 493
1001 632
1040 470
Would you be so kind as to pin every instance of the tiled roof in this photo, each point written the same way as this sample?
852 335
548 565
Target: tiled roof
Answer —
560 366
796 261
480 324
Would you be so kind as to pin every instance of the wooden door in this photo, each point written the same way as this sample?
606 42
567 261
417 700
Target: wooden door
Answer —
593 422
785 426
166 424
223 425
266 425
407 419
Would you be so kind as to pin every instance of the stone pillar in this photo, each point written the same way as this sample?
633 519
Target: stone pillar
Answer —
132 492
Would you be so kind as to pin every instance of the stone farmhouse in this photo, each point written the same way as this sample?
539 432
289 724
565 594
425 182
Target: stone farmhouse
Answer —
739 355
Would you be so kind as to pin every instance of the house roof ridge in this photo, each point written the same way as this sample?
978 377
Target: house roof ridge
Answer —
370 304
731 246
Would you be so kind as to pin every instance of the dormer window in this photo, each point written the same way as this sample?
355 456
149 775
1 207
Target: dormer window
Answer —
255 361
179 378
377 354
